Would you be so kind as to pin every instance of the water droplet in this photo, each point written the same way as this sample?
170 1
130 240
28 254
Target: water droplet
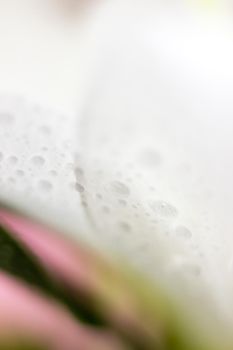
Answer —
120 188
79 188
150 158
122 202
13 160
164 209
79 172
124 226
53 172
106 209
38 160
19 173
11 180
45 129
6 118
45 185
183 231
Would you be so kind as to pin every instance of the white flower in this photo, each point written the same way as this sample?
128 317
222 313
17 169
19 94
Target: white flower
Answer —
138 157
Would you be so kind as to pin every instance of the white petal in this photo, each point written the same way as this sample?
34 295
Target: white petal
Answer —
158 138
39 69
155 142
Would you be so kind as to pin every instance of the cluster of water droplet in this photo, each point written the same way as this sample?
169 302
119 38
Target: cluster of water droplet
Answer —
36 155
117 202
123 195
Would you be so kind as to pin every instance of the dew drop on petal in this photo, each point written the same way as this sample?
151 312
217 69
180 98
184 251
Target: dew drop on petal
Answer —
164 209
45 185
120 188
183 231
122 202
79 188
20 173
124 226
78 172
45 129
53 173
38 160
13 160
11 180
106 209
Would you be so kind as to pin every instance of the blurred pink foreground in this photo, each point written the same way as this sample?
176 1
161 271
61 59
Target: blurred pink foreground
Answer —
27 313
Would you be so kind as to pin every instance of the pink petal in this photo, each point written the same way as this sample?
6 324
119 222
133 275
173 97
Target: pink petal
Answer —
25 313
59 256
